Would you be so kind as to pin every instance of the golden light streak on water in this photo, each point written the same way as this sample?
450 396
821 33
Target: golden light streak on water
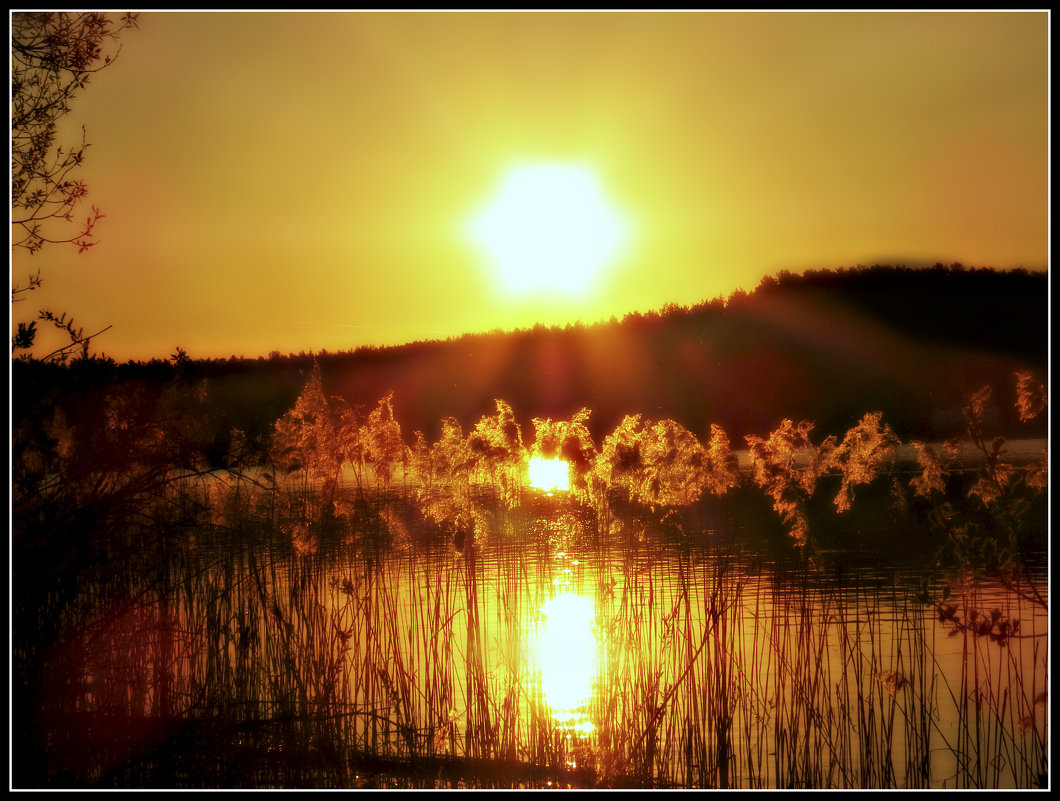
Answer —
566 655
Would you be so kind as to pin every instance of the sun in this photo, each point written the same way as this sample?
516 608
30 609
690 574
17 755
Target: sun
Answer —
549 475
549 227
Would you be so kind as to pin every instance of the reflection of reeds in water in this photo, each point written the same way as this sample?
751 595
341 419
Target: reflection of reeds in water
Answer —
294 631
359 663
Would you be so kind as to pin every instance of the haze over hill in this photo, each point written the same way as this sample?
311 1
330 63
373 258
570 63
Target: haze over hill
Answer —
825 345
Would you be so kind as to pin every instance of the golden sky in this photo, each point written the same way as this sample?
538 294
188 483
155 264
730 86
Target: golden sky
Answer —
303 181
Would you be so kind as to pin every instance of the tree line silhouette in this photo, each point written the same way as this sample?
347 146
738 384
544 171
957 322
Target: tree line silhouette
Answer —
824 345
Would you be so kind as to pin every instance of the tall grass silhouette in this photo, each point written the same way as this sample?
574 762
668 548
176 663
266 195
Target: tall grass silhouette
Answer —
359 611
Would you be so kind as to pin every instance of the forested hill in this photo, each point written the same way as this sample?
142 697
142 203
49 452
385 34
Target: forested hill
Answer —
824 345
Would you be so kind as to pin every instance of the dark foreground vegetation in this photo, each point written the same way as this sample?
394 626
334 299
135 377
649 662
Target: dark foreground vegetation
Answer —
345 605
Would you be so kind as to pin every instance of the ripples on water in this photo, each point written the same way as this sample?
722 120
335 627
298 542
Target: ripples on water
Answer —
674 655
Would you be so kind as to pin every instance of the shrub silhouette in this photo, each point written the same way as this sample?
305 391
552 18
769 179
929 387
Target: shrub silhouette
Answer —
990 519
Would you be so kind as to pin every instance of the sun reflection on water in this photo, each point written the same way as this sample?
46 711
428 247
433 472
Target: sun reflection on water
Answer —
566 656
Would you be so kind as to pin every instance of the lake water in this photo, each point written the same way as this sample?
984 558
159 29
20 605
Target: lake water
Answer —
647 652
